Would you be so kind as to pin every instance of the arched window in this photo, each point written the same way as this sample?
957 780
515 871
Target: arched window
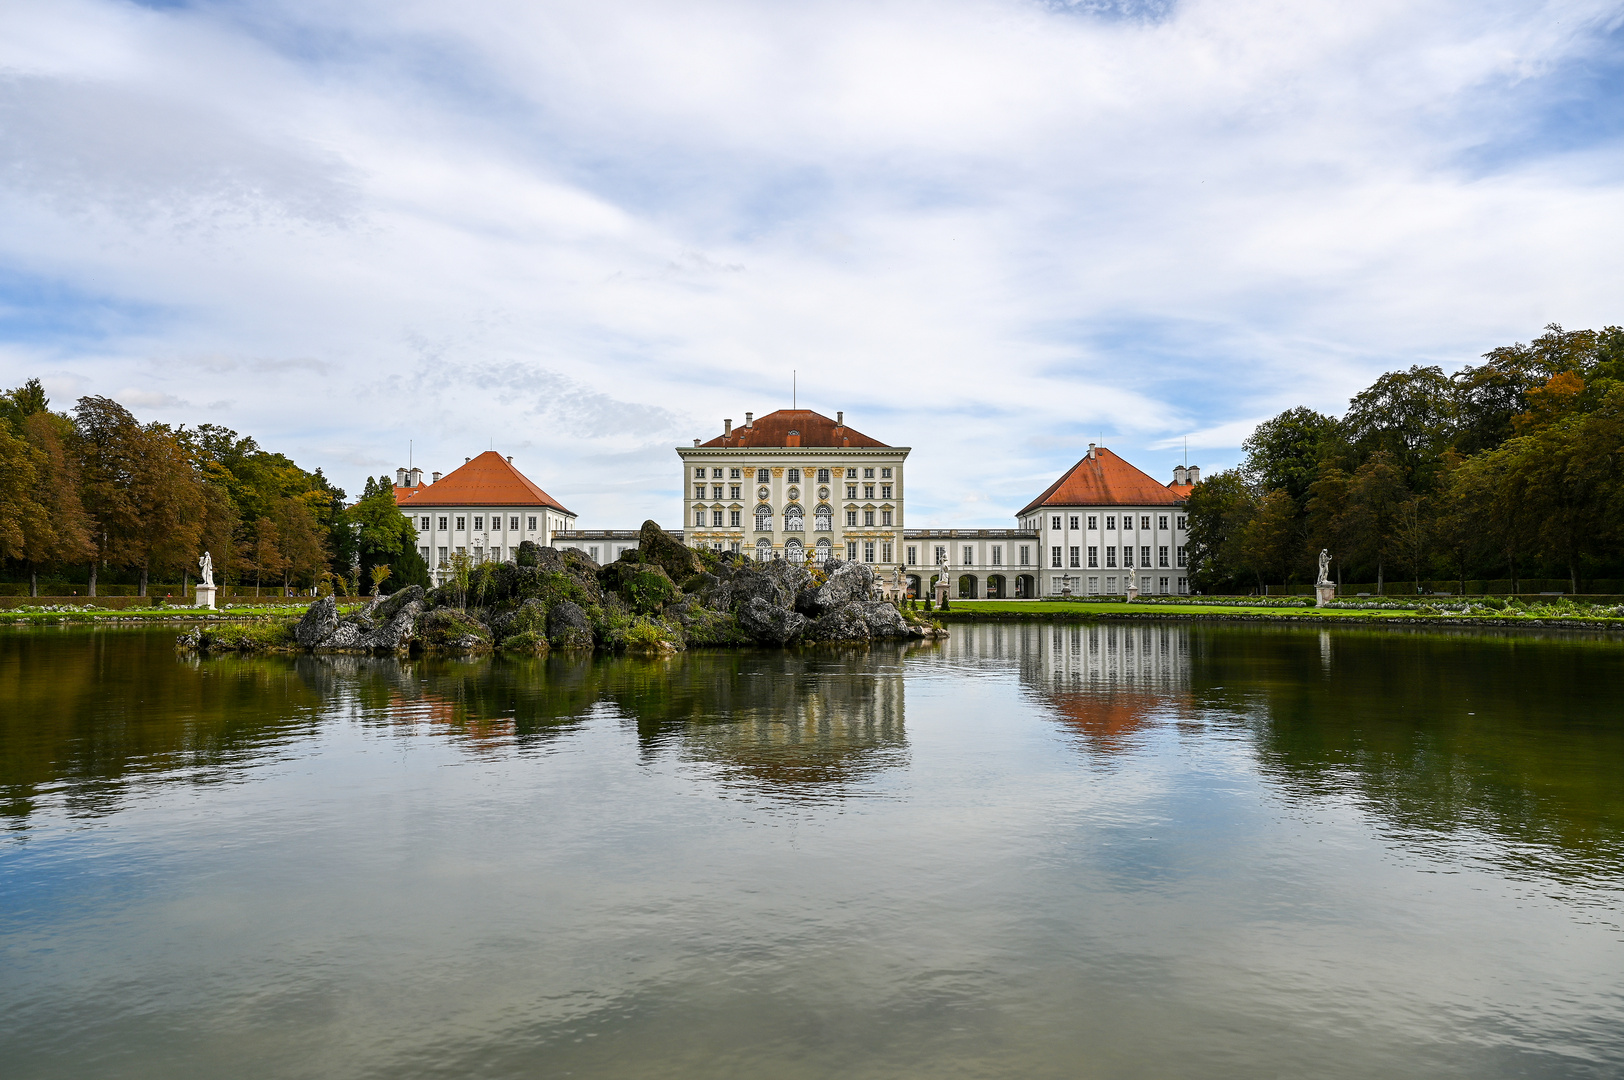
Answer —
793 551
823 550
764 518
824 519
794 520
764 550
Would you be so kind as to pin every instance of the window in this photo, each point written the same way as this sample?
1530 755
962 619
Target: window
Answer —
444 556
733 491
823 519
1127 554
699 517
716 492
763 475
461 550
1182 558
734 474
462 523
443 523
1093 556
764 519
794 519
868 491
851 518
885 517
1162 583
1026 555
969 554
885 474
1055 524
699 491
733 517
1054 556
795 476
868 517
997 555
532 523
823 476
1074 521
851 474
868 474
513 524
734 547
1110 555
423 525
1093 586
1184 586
1110 521
851 551
716 474
479 524
1144 521
868 551
716 519
424 551
1182 520
699 473
592 553
851 491
1161 560
885 552
1076 556
885 491
1161 523
1093 521
941 555
764 550
913 554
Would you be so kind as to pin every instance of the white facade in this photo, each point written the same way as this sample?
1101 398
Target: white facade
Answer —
1099 550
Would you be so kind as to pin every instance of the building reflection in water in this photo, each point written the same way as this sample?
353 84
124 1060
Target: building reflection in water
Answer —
1106 682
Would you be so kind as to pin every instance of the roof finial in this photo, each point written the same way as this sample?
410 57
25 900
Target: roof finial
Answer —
794 397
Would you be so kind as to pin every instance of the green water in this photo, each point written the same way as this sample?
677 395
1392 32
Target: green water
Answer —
1029 851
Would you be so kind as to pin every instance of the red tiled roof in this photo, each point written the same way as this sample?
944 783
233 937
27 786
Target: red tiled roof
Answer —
1106 480
488 480
773 430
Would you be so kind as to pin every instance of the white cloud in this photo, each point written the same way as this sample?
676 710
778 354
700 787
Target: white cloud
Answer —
989 229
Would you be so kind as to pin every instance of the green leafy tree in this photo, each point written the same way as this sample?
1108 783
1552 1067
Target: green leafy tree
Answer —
1329 526
1269 541
1284 454
1376 494
1219 509
1407 415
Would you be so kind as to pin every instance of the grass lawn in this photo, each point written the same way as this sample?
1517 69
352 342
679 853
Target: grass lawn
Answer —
1083 609
165 614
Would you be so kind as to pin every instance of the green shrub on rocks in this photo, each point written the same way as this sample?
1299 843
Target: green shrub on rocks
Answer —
529 641
453 631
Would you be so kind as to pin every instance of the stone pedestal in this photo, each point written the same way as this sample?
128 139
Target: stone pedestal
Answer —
1324 594
1133 589
205 596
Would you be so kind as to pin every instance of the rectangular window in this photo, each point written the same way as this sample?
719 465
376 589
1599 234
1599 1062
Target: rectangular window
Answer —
1110 586
1026 555
444 555
592 553
885 474
868 491
851 551
851 518
513 524
1054 556
885 491
1162 586
1076 556
851 491
443 523
868 517
1144 555
763 475
462 550
733 518
1127 554
733 491
1074 520
1182 520
823 476
868 551
699 473
734 474
716 492
885 553
1144 521
1184 586
716 474
1093 556
1161 523
1055 523
1093 521
424 551
1093 586
1182 557
868 474
1110 555
885 517
851 474
716 519
795 476
913 555
462 523
1110 521
699 517
969 554
532 523
1161 558
423 525
479 524
699 491
997 555
734 547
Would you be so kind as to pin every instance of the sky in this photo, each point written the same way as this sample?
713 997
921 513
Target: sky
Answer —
991 230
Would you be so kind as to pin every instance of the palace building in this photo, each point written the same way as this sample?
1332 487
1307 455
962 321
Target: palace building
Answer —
795 485
485 509
1105 522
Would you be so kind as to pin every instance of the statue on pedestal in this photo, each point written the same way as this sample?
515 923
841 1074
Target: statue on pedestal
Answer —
1324 588
1325 568
206 564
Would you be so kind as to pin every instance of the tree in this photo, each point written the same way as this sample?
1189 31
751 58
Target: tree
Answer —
1284 454
382 534
1270 540
1375 495
1407 415
1329 527
304 548
1219 509
262 555
1412 535
108 443
169 505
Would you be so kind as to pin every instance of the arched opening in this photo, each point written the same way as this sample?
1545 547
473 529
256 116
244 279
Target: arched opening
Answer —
967 587
1026 587
793 551
915 587
764 549
764 518
824 519
995 587
823 551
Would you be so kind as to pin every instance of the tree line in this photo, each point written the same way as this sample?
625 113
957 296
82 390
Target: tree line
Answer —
1509 467
93 495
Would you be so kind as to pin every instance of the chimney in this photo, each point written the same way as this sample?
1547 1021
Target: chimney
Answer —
749 418
466 460
840 418
436 479
696 442
415 478
1181 475
1091 451
400 477
727 427
1195 474
510 459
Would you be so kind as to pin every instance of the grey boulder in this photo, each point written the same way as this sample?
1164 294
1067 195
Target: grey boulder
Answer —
318 623
567 626
769 622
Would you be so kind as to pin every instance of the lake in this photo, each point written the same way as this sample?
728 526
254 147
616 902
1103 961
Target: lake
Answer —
1028 851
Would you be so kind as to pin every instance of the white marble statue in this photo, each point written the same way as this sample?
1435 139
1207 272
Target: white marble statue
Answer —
207 565
1325 568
